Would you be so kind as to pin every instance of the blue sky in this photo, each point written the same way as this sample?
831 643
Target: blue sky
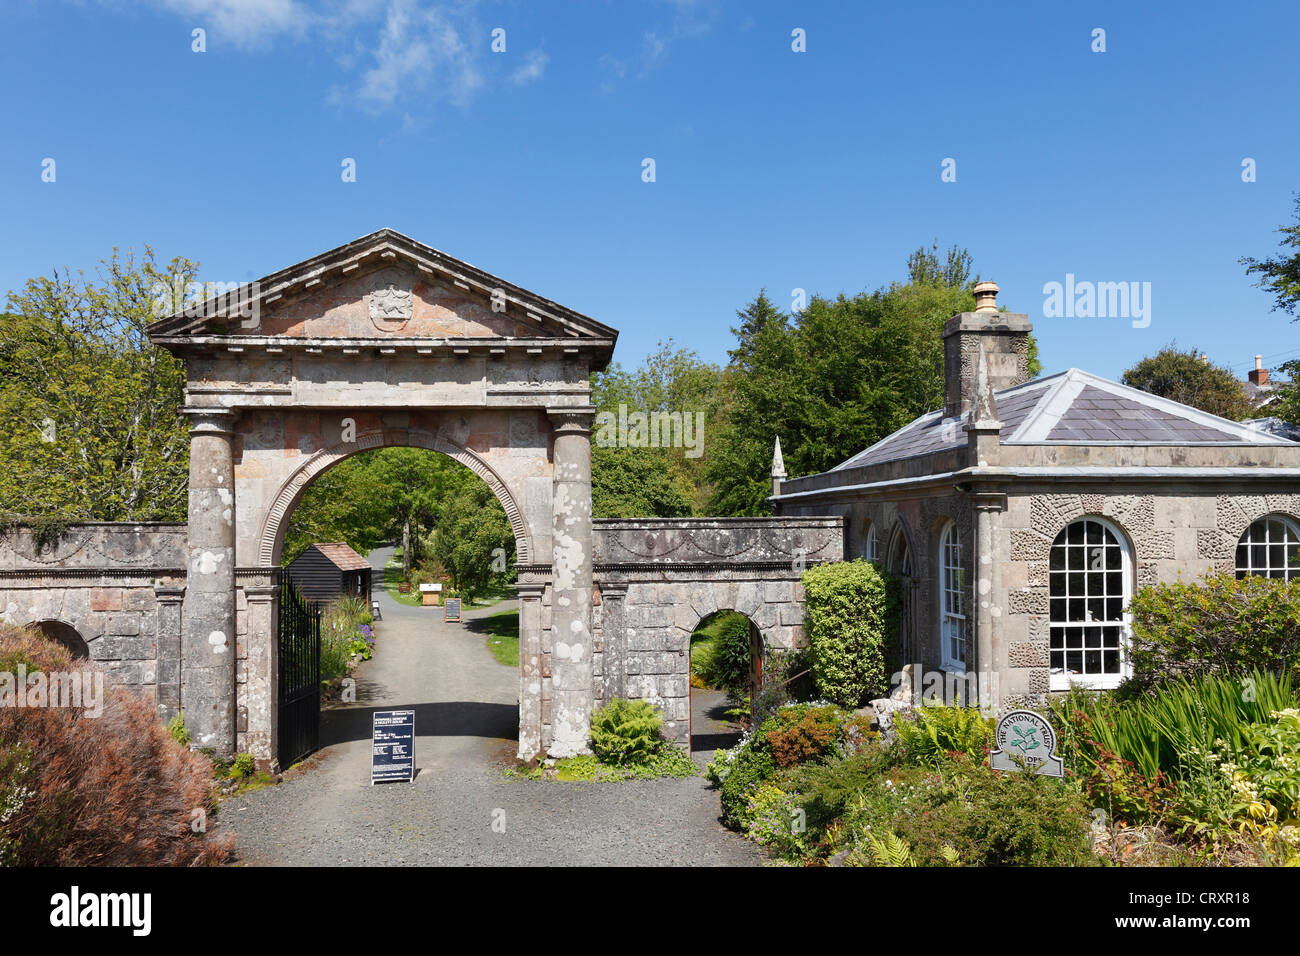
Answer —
817 170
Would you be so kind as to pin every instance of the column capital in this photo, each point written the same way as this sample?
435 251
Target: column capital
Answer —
530 590
209 421
169 595
572 420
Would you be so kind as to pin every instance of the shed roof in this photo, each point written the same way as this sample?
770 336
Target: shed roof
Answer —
342 556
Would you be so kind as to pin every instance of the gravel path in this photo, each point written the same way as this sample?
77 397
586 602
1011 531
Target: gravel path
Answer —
325 813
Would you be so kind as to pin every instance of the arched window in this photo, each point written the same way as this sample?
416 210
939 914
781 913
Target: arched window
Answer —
952 600
1089 577
870 543
900 555
1270 548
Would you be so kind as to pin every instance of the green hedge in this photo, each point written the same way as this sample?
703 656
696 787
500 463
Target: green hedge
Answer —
849 620
1222 625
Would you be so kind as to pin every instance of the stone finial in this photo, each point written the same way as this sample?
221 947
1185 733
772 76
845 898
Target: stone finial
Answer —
983 430
984 410
986 296
778 468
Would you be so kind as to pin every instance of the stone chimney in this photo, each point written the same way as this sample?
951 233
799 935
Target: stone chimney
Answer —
1258 375
1004 338
778 468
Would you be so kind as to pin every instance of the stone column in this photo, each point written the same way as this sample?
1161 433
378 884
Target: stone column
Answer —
208 642
530 668
170 601
262 666
571 639
987 617
613 598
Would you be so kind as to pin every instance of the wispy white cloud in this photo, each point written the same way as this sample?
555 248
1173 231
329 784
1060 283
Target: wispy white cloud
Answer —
247 23
417 47
531 70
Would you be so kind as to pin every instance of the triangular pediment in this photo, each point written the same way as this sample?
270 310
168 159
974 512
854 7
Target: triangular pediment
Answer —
381 286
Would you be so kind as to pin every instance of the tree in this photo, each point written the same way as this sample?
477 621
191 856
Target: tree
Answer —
473 541
1184 377
663 482
90 408
1280 275
834 379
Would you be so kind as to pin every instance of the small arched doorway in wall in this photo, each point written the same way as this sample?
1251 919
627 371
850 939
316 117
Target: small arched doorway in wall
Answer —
726 671
422 518
904 658
66 635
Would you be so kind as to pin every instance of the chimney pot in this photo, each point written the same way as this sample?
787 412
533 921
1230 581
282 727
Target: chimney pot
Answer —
986 296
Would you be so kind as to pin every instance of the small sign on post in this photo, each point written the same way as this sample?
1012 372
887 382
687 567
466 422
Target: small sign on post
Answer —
392 746
1025 735
451 611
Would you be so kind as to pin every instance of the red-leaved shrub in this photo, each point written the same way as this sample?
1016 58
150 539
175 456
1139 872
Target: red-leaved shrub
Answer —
112 790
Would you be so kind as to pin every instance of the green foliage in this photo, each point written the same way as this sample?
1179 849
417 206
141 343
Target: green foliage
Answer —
93 408
1267 774
796 735
1183 377
473 541
891 850
243 766
928 735
849 616
341 636
1160 733
670 762
807 732
1222 625
1280 275
722 653
833 379
660 482
636 483
776 821
626 732
176 729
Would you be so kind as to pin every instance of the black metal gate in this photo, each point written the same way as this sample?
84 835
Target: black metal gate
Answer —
299 649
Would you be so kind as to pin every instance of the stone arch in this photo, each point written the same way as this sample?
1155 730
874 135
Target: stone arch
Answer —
291 492
61 632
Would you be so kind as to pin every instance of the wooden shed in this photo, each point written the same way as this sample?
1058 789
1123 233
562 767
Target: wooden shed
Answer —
328 571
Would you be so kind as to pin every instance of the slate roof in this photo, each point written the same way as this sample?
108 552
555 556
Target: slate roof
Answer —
342 556
1071 407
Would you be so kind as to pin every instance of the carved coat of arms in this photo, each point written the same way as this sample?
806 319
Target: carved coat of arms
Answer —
392 303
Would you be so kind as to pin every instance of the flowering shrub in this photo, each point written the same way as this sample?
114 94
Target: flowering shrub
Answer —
794 734
778 821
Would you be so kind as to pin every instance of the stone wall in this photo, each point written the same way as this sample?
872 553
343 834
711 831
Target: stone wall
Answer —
658 578
120 586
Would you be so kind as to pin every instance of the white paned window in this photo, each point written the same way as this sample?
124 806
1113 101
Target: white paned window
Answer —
1089 576
952 600
1270 548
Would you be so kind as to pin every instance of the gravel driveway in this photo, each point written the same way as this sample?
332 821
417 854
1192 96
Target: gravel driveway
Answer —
326 813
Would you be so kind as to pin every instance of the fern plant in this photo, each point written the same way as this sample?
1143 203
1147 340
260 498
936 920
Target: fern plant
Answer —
626 732
932 732
891 850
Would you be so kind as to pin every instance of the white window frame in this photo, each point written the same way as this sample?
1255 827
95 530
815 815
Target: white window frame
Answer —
952 599
1062 682
1289 571
871 543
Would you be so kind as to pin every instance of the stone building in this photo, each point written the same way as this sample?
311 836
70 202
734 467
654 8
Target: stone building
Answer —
1022 516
